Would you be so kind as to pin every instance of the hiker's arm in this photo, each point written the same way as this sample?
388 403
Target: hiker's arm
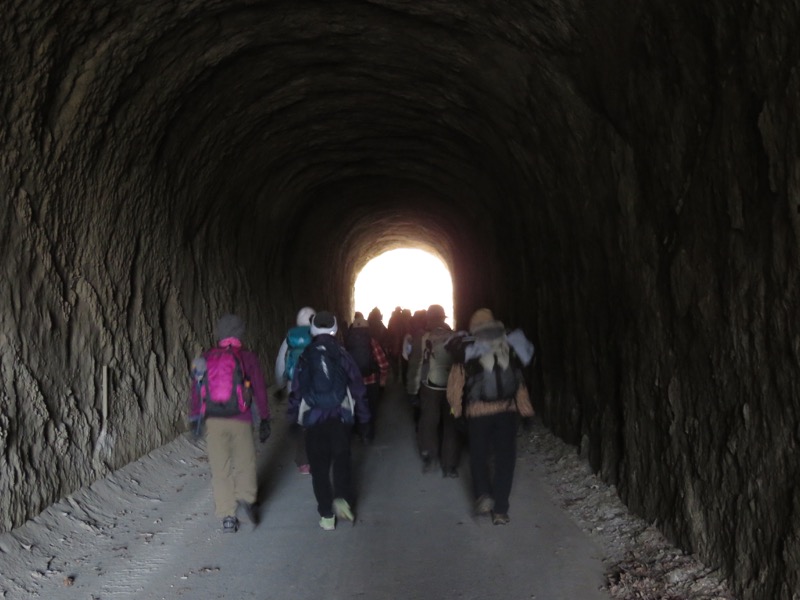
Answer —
405 346
380 360
194 401
414 366
355 381
455 389
294 392
280 365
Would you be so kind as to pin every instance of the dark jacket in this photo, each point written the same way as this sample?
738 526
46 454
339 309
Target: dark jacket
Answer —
355 383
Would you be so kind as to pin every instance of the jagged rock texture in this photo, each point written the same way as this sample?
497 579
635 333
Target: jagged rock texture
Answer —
621 179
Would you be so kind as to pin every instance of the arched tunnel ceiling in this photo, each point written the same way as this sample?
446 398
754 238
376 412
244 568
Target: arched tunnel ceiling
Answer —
620 179
259 112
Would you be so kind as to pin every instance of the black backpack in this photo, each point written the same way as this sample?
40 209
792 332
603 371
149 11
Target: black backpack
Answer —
496 384
358 345
322 379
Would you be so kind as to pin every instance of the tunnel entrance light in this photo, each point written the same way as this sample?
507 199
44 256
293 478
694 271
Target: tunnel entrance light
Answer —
406 277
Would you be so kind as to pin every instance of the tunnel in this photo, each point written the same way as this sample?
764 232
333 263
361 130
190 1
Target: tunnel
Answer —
619 179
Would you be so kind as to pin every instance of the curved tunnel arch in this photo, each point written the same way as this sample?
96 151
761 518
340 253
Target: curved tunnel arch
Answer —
616 179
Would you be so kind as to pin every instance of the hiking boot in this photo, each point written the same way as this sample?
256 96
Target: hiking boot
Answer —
249 509
230 525
304 469
484 505
452 472
328 523
342 509
500 518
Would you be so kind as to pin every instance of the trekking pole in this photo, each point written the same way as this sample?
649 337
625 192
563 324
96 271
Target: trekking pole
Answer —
199 374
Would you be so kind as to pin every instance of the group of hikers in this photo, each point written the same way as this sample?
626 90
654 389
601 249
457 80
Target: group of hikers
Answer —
468 381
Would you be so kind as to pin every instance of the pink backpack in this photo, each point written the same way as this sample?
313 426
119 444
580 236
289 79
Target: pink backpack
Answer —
224 389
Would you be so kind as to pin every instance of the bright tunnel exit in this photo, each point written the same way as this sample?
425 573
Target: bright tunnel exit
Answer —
406 277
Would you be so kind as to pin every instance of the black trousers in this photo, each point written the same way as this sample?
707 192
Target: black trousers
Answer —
493 440
435 416
373 396
298 435
328 449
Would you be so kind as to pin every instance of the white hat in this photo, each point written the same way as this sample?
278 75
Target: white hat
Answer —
304 315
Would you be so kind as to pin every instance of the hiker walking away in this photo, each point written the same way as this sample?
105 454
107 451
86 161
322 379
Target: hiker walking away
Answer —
296 340
488 387
394 335
414 326
373 365
226 378
428 368
377 329
327 397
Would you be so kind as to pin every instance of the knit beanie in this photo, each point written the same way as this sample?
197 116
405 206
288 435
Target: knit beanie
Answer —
230 326
480 319
360 322
323 322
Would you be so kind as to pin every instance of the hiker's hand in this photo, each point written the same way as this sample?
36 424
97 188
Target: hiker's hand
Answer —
264 429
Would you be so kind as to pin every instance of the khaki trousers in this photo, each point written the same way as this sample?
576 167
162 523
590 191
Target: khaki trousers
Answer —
232 456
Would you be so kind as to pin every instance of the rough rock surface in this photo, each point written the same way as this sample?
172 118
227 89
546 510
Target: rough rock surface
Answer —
620 179
640 562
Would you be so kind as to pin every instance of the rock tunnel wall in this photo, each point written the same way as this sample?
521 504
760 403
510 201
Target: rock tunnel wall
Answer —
102 310
672 360
620 180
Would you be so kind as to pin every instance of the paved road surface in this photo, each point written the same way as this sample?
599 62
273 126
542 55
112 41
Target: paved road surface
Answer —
148 531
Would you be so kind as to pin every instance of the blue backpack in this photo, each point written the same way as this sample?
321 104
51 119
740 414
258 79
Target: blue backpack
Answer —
322 378
297 339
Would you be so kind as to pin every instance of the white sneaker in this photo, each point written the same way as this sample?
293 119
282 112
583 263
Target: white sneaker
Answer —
328 523
484 505
342 509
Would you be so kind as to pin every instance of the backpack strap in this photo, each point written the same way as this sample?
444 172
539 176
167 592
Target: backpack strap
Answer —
237 355
332 346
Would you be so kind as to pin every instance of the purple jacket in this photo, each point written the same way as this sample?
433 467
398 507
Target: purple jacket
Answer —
252 371
355 382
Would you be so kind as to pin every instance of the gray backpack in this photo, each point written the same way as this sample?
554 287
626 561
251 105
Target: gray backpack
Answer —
436 359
